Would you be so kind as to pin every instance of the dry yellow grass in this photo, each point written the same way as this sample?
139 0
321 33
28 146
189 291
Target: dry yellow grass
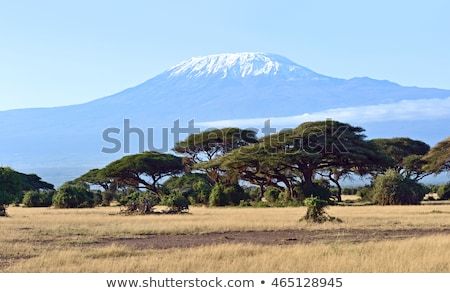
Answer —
427 254
46 239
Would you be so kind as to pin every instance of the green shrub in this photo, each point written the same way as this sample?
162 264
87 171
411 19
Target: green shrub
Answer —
365 193
176 202
235 193
38 198
73 196
218 197
315 212
140 202
444 191
393 189
272 194
194 186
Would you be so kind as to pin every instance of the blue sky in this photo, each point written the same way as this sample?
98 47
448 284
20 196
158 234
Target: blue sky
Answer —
65 52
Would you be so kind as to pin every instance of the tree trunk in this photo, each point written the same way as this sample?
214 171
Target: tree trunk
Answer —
308 181
338 186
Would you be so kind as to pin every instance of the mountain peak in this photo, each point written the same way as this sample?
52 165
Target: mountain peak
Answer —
241 65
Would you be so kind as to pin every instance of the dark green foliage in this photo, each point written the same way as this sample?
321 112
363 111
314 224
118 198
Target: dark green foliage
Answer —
317 189
404 155
107 197
97 195
143 170
10 188
444 191
176 203
438 158
73 196
315 212
194 186
38 198
365 193
140 202
394 189
235 193
33 182
218 197
272 194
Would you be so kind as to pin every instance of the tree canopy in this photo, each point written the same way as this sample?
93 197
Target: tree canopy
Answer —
213 143
144 169
438 158
404 155
322 145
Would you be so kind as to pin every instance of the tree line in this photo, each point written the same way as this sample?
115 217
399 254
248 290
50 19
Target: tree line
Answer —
232 166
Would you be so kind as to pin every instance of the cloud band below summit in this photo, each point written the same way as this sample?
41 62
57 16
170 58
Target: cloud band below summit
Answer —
422 109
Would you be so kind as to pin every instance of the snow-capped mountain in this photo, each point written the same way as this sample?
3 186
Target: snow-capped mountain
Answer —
62 142
242 65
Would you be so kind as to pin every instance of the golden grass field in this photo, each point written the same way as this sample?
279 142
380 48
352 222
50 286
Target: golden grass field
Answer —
52 240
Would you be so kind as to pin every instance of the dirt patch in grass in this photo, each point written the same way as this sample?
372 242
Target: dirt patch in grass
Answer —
282 237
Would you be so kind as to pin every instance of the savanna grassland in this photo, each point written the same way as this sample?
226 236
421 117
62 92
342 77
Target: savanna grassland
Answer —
370 239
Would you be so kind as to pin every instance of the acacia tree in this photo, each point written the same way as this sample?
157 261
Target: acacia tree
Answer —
438 158
32 182
144 170
324 145
10 188
255 165
405 156
211 144
97 177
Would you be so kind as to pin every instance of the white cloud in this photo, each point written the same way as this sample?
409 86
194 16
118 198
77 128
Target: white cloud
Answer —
406 110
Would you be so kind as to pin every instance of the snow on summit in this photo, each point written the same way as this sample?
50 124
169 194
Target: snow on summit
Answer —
241 65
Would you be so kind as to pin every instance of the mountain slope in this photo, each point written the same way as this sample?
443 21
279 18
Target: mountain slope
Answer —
215 87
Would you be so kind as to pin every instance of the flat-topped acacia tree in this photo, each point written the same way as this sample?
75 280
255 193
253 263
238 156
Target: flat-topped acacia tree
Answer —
211 144
438 158
144 170
322 145
404 155
97 177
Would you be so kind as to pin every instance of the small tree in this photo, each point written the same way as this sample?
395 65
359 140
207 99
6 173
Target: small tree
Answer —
394 189
218 197
176 203
315 212
141 202
73 196
38 198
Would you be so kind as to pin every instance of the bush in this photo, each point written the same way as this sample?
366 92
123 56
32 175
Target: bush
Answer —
218 197
194 186
272 194
38 199
73 196
176 203
316 210
235 193
107 197
444 191
140 202
393 189
365 193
